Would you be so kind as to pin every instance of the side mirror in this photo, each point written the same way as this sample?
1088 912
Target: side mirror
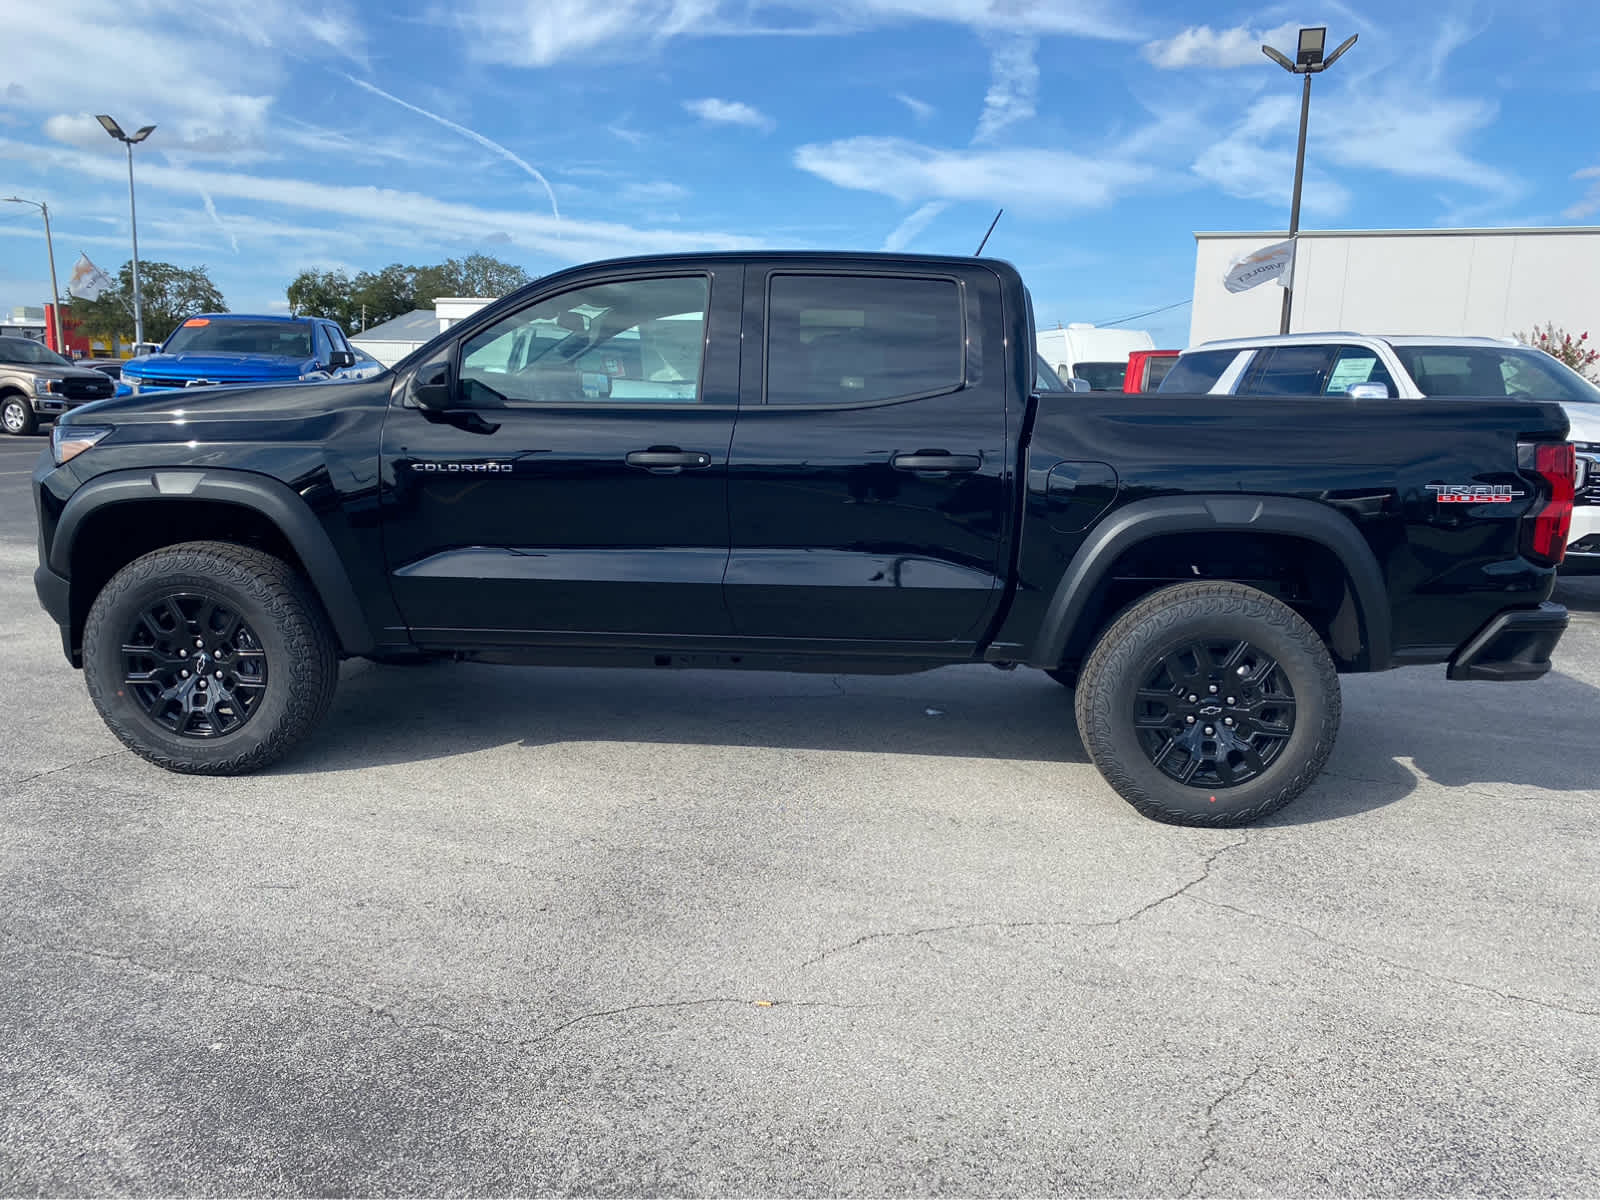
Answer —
1368 391
433 386
1074 384
340 359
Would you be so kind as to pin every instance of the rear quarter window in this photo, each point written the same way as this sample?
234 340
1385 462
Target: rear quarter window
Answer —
1197 372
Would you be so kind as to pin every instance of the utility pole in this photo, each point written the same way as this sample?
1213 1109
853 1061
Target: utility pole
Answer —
50 250
130 140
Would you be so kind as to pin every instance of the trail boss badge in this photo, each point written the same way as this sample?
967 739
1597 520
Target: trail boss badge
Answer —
1474 493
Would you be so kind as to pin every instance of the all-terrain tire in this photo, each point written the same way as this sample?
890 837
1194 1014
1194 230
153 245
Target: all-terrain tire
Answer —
1157 627
297 643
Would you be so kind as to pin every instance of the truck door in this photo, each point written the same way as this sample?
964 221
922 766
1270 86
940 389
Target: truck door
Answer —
577 483
868 476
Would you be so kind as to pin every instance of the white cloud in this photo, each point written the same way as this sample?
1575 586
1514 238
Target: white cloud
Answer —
730 112
1590 204
1049 181
920 109
536 33
906 232
1202 46
372 209
211 211
165 66
1013 85
660 191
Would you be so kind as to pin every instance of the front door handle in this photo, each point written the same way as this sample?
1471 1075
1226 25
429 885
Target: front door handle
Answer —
668 462
936 460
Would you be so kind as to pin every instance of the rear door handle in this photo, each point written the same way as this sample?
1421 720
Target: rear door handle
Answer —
936 460
668 462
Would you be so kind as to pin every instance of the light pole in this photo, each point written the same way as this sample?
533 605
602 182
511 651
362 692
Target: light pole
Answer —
1308 61
50 249
115 131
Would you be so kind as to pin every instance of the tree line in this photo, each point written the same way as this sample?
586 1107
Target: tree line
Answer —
170 294
373 297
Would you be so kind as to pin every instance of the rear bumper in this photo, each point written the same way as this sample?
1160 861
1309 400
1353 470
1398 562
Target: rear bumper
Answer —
1515 644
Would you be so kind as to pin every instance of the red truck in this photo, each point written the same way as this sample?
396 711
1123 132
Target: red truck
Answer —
1147 368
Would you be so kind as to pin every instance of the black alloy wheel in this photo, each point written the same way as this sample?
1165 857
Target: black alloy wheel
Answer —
194 666
1214 713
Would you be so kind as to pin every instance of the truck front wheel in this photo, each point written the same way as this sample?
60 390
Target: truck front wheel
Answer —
16 415
1209 704
209 658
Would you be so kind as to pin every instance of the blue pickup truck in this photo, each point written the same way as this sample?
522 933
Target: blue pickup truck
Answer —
237 348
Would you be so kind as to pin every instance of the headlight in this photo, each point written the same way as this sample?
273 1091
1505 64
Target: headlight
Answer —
69 441
43 386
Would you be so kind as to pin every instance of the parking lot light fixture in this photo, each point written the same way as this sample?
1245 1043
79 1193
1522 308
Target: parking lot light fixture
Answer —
50 249
1308 61
130 140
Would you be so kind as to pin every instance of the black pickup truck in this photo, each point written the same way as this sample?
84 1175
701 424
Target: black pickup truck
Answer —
812 462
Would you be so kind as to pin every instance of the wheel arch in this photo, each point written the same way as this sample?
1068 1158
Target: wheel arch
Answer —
196 505
1082 585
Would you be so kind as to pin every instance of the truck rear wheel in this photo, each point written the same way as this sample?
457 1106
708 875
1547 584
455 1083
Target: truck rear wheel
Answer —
1209 704
209 658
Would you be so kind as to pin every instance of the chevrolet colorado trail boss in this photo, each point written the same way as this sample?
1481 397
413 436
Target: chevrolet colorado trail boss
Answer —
800 461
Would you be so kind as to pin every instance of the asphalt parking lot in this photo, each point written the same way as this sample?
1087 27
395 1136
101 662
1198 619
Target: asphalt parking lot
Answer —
505 931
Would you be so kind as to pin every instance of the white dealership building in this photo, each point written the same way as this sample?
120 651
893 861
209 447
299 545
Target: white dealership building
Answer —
1493 282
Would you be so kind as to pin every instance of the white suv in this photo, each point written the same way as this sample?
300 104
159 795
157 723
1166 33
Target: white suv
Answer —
1372 368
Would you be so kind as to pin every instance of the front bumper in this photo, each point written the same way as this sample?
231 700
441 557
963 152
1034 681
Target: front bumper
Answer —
1515 644
1583 543
55 597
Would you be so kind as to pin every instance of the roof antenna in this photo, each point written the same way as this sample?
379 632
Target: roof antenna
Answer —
985 241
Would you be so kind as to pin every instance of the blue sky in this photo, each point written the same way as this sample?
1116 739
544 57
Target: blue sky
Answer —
548 132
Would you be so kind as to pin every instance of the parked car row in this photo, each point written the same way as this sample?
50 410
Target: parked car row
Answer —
1413 368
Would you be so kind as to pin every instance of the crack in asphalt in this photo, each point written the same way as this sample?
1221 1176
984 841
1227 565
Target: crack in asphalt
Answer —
1208 1160
386 1013
16 783
1400 966
963 926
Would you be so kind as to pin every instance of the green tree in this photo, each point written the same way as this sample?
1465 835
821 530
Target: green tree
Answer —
321 294
475 275
167 293
373 297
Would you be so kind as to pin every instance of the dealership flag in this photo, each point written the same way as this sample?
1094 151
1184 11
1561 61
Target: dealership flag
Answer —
88 280
1270 262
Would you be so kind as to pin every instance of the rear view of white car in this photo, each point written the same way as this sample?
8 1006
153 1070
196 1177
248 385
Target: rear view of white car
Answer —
1412 367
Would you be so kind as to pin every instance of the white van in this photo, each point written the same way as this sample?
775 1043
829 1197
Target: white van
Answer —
1097 356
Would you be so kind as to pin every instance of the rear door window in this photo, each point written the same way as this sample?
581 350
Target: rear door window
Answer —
1290 371
1357 364
1198 372
853 339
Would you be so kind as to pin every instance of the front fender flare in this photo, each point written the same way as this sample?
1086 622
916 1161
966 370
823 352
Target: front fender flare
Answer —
1133 523
269 497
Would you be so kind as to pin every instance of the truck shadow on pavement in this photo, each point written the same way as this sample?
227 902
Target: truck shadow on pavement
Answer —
1400 729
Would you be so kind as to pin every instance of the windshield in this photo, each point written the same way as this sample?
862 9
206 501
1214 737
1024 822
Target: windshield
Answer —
200 335
1046 380
1494 371
1102 376
22 350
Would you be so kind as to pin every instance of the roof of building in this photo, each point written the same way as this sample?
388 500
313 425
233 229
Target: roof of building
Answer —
418 325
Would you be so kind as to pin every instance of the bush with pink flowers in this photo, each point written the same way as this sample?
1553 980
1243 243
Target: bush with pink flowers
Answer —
1576 352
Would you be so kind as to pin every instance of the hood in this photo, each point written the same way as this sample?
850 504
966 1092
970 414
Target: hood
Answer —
51 371
189 410
1585 422
221 367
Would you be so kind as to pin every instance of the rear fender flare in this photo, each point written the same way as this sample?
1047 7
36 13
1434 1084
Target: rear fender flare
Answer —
1133 523
269 497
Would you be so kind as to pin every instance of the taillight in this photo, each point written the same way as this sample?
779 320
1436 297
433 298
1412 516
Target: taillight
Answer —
1545 530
